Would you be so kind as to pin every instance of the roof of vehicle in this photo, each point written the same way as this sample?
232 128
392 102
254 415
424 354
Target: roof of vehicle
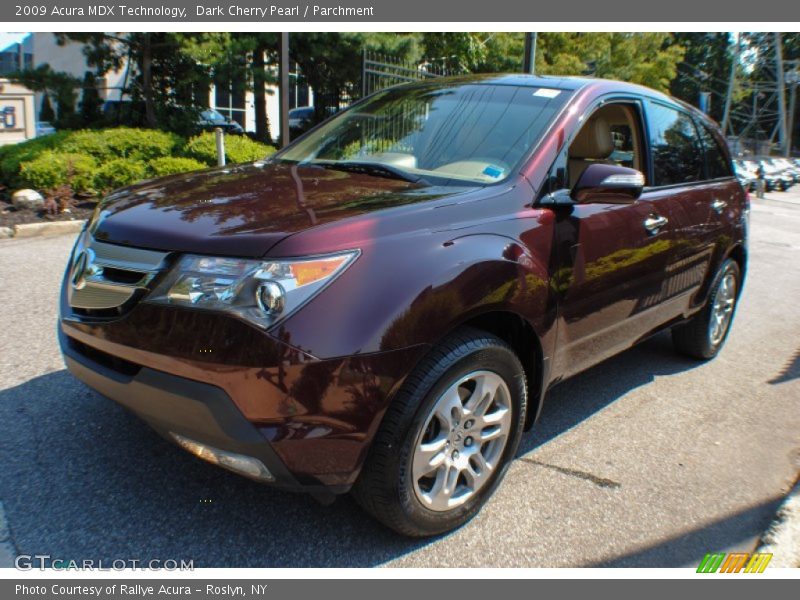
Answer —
566 83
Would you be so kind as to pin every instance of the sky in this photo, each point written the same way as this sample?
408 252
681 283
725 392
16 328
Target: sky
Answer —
6 39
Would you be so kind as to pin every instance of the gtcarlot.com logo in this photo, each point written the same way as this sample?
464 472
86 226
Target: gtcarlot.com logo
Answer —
28 562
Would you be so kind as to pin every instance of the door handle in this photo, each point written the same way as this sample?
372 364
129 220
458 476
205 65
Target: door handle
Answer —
654 222
719 206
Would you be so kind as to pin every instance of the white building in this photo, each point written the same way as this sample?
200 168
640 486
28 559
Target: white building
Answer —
232 100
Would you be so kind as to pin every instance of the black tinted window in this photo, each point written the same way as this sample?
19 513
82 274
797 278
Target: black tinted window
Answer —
677 152
716 163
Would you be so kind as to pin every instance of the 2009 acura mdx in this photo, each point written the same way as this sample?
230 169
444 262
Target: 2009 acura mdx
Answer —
382 306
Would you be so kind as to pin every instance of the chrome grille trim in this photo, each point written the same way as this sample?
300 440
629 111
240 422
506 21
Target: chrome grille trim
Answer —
89 288
127 259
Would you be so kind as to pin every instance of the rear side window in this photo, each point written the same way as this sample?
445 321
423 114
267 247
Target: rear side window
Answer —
717 164
675 146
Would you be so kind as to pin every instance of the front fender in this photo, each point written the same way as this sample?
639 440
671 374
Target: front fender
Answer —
403 293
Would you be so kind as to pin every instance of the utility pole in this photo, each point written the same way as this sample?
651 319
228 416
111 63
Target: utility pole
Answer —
283 76
529 59
783 139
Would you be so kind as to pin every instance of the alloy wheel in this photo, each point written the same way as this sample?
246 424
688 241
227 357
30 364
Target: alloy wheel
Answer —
722 310
462 441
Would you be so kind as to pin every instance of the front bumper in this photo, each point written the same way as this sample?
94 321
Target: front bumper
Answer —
218 381
176 405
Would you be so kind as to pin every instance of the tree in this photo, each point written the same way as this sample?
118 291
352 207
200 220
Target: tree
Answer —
705 67
46 113
91 103
163 76
56 84
645 58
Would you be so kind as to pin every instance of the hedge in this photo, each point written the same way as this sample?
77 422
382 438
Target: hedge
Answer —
118 173
171 165
99 160
238 149
123 142
52 169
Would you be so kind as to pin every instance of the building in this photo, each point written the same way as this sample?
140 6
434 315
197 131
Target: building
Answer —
231 98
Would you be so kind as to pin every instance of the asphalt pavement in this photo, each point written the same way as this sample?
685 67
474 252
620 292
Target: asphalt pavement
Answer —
648 459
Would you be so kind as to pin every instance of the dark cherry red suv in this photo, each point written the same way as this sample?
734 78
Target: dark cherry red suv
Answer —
382 306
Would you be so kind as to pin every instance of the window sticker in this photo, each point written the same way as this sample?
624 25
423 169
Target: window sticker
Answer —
546 93
493 171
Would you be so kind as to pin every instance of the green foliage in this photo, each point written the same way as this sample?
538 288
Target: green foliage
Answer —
12 155
91 103
238 149
61 86
171 165
100 146
52 169
46 113
122 142
119 172
645 58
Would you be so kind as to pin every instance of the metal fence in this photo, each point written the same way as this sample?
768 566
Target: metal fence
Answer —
380 71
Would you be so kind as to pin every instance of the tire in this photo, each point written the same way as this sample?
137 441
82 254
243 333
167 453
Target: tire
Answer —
392 487
697 337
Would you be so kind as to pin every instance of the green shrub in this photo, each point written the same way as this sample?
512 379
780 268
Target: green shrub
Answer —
51 169
170 165
13 155
238 149
119 172
123 142
102 144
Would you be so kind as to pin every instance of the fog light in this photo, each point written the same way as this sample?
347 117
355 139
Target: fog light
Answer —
239 463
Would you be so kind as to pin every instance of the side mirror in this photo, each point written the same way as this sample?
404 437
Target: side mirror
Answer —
608 183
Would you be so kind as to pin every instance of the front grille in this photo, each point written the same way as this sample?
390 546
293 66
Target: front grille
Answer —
106 279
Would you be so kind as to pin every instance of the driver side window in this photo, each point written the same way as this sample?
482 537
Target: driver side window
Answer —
612 135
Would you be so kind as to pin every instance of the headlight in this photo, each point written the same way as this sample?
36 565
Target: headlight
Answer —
262 292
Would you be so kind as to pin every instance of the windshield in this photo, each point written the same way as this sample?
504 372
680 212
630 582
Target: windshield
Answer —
445 133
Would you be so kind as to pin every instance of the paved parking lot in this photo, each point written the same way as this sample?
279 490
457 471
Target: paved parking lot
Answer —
646 460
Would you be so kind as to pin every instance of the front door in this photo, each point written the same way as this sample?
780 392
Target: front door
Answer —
612 258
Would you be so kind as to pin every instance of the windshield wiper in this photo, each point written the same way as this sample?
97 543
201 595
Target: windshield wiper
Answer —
371 168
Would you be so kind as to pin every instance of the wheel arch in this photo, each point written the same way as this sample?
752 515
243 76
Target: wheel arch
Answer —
518 333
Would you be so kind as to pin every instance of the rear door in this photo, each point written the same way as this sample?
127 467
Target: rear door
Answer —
701 186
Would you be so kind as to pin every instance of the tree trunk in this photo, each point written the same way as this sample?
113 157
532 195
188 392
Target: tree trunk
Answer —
147 82
259 94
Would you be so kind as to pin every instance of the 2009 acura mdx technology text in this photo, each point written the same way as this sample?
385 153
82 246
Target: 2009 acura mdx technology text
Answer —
382 306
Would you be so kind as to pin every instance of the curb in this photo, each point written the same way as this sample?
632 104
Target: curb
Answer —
49 228
782 539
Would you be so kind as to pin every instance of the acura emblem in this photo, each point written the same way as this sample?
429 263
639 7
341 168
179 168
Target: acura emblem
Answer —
82 269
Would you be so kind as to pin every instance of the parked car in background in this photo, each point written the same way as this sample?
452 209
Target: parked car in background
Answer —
132 113
746 175
303 118
44 128
783 179
211 119
382 306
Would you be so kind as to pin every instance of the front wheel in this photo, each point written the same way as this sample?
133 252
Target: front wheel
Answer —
704 334
447 438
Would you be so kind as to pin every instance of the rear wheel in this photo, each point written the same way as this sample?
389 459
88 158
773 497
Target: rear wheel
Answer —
447 438
703 335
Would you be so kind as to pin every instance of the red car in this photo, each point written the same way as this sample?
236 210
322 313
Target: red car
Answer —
382 306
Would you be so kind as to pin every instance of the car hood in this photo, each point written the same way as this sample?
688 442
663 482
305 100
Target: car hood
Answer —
244 210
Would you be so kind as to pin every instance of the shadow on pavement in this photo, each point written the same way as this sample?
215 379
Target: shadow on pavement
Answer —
576 399
688 549
789 372
81 478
